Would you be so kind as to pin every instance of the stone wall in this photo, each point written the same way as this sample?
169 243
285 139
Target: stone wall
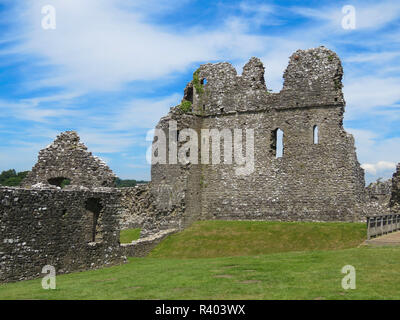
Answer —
143 246
137 205
395 198
380 190
70 230
68 158
377 198
312 181
176 189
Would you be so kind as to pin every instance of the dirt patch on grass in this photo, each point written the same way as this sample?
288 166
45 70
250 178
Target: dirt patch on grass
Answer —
225 276
230 266
105 280
250 281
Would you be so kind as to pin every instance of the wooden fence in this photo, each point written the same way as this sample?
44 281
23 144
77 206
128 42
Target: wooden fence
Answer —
380 225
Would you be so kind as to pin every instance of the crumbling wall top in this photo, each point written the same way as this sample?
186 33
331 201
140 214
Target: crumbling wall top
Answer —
312 78
68 158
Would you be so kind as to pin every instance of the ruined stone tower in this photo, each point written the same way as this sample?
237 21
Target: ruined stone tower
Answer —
318 177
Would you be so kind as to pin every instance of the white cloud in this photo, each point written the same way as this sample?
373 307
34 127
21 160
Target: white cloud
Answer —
374 168
378 155
99 46
377 15
368 15
374 58
142 113
28 110
363 94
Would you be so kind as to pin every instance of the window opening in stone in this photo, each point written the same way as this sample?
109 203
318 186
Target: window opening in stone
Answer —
92 228
315 134
59 182
277 143
189 94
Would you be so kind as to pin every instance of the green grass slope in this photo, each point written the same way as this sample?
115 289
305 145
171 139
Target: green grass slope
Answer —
238 260
209 239
288 275
129 235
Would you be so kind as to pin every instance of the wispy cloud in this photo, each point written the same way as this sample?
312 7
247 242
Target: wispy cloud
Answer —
369 15
117 47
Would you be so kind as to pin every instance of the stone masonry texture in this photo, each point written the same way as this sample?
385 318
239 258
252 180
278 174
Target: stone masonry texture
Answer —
137 206
77 227
58 228
68 158
310 182
395 198
71 229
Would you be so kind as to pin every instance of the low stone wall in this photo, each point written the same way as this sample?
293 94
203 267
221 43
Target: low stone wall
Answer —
143 246
71 230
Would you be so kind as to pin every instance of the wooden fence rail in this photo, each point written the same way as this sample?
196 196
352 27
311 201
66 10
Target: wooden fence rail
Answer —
384 224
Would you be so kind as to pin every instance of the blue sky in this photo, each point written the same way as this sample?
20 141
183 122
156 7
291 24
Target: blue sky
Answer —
112 68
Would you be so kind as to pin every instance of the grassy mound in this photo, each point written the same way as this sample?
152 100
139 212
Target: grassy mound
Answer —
129 235
288 275
210 239
237 260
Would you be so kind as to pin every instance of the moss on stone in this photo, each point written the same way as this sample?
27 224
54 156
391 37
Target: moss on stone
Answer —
185 106
196 83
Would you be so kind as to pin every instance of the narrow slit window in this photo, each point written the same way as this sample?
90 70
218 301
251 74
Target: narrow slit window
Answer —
277 143
315 135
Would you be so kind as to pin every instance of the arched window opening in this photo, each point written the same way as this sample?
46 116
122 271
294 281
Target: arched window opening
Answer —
93 230
59 182
277 143
315 134
188 95
203 81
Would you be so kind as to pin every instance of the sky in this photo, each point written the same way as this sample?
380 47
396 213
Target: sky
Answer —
111 68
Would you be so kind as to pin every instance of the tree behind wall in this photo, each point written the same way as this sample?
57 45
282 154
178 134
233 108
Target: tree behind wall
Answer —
11 178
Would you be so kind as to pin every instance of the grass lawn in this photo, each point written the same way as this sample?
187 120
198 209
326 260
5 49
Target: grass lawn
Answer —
127 236
253 271
289 275
210 239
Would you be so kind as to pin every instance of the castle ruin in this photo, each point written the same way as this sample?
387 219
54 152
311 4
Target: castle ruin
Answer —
318 177
314 177
71 229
